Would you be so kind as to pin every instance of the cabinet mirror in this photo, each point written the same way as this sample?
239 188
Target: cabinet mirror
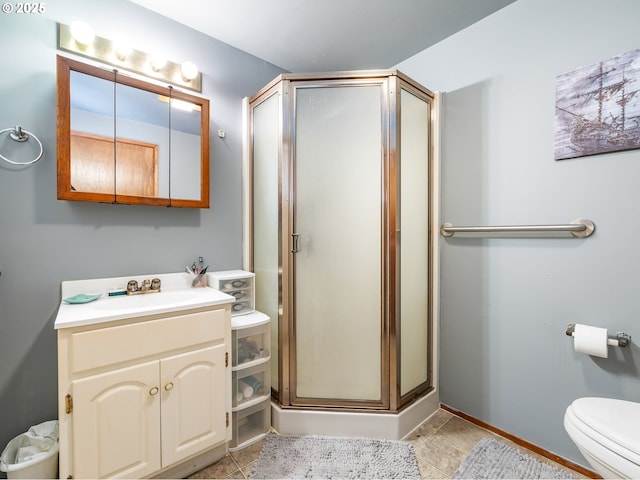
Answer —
124 140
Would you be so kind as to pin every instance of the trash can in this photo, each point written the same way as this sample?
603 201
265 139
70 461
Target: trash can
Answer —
33 454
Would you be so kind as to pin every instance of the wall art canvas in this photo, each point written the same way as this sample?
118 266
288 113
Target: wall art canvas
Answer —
598 107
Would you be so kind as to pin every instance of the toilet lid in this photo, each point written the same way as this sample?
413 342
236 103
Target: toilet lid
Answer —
616 420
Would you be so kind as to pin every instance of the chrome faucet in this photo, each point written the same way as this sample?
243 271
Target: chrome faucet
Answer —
147 286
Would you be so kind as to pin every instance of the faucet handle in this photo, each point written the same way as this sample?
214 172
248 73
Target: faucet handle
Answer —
155 284
132 286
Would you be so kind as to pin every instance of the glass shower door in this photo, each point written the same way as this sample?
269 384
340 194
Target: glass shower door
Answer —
337 242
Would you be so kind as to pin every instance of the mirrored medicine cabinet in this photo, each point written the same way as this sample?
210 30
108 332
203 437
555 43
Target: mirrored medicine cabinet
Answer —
124 140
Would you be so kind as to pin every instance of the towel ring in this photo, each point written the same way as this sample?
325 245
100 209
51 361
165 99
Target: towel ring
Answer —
20 135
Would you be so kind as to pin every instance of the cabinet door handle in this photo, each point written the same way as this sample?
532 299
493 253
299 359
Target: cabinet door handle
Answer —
154 391
168 386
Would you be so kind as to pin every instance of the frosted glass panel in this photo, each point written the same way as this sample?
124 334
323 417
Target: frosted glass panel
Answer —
413 246
338 209
266 140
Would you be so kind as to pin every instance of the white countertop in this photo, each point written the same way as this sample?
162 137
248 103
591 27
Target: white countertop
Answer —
176 294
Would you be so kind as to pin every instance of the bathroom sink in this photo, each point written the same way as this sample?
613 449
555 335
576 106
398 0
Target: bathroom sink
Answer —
176 297
145 300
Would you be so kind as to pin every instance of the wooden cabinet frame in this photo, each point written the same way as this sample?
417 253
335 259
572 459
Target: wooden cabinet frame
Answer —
65 192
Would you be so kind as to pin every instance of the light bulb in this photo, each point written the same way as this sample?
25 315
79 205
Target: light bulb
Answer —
189 71
122 48
82 33
158 61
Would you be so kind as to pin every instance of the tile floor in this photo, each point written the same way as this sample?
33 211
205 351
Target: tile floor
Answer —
441 444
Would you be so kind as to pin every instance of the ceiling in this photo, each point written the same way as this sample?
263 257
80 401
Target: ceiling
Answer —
328 35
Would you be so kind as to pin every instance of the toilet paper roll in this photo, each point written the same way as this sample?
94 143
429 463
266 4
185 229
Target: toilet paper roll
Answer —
590 340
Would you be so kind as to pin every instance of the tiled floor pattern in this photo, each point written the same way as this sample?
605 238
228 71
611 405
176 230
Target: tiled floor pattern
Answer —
441 444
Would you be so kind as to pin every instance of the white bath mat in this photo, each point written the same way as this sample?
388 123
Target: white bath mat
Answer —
316 456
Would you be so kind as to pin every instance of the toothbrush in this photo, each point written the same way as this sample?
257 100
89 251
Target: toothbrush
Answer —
199 276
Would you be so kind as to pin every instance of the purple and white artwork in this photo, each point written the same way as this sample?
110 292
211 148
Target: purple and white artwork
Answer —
598 108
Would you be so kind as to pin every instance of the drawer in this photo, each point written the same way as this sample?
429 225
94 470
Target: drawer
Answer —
250 344
105 346
242 307
250 384
250 424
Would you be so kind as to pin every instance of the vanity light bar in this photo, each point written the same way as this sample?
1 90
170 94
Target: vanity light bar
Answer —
110 52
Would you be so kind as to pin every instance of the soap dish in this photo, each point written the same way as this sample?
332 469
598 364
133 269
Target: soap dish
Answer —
82 298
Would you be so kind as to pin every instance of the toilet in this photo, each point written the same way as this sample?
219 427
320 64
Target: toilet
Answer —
607 433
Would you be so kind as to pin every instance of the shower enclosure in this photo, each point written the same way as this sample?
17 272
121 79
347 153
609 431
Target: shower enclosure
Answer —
339 196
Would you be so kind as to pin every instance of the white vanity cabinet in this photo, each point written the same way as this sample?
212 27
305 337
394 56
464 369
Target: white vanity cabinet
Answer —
139 396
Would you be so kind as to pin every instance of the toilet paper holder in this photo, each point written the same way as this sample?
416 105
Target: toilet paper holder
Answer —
620 339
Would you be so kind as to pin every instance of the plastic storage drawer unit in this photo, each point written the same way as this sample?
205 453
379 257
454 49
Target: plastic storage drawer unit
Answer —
251 379
237 283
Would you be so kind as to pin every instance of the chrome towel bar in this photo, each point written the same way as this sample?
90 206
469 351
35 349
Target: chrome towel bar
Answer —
579 228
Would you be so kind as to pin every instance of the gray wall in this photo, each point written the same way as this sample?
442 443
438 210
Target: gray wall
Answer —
44 241
504 355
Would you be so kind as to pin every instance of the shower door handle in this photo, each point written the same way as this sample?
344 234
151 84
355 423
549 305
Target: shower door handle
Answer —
295 247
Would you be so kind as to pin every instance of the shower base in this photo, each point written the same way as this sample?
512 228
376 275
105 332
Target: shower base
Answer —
355 424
